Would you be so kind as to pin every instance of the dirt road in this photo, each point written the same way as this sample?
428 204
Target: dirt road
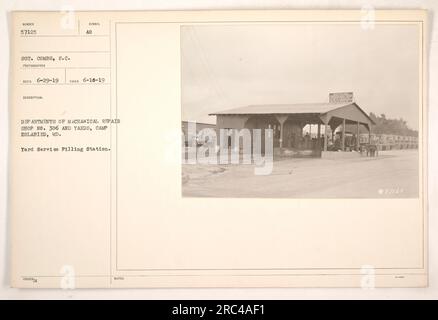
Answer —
394 174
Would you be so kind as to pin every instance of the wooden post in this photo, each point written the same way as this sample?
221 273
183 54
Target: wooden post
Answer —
369 134
357 136
281 135
318 138
281 119
325 136
343 135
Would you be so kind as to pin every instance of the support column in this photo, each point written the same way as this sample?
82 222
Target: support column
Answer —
325 120
369 134
318 137
325 136
281 135
357 136
343 135
282 120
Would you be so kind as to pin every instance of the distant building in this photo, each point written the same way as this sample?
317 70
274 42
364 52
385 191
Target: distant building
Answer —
390 141
199 126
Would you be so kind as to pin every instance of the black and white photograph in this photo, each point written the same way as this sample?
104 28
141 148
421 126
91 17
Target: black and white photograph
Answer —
301 110
234 153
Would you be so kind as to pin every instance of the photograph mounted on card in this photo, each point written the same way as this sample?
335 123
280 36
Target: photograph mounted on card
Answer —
279 148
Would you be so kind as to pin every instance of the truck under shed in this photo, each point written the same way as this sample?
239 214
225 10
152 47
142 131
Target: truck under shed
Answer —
288 121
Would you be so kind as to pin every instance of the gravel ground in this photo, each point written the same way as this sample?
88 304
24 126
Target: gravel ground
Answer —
394 174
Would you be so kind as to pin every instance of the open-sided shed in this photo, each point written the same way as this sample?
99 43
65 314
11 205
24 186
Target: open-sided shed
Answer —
288 120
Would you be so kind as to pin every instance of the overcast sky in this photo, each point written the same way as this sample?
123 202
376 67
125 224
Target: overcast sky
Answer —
230 66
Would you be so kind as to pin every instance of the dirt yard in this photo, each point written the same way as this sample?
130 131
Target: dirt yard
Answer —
394 174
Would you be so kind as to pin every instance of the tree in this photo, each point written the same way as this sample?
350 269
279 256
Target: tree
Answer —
385 125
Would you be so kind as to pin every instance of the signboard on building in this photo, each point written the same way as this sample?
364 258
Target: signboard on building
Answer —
341 97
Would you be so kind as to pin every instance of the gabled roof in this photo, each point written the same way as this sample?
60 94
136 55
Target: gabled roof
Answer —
199 122
301 108
283 108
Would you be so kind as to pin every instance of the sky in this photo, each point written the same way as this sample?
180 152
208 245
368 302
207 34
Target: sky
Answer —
230 66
